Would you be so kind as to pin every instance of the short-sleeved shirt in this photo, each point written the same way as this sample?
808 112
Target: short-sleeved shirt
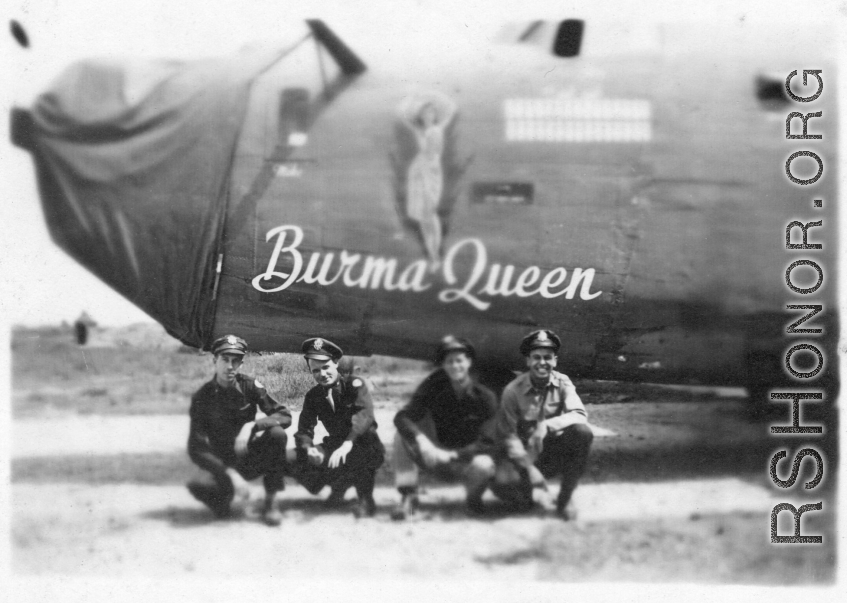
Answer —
523 403
218 414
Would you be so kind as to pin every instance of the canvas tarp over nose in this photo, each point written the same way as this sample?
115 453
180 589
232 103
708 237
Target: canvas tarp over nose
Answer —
133 161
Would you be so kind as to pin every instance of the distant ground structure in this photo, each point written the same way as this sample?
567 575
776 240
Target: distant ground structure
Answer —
82 326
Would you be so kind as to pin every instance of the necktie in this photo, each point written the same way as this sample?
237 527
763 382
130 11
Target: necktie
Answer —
329 397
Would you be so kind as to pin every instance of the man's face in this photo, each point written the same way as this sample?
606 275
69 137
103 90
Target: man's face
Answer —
541 362
325 372
457 366
226 367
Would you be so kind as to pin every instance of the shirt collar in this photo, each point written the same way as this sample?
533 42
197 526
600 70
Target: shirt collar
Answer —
335 386
555 381
219 388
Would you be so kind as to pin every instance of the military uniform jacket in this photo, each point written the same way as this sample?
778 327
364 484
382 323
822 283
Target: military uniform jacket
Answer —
463 422
524 407
349 416
218 414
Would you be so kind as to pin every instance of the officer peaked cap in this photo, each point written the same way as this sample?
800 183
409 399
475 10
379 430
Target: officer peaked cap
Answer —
318 348
542 338
229 344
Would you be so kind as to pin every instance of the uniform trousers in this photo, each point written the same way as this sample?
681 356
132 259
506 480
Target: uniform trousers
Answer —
476 473
358 469
563 454
265 456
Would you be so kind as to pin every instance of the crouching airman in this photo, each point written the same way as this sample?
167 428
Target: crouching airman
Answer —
544 428
446 429
352 452
219 442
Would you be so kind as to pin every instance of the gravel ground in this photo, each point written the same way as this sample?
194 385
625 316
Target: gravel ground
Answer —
128 529
662 501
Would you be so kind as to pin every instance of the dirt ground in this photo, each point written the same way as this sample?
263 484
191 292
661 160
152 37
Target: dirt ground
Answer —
130 530
676 491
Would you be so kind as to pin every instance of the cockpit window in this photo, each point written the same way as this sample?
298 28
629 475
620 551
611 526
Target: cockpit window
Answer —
568 38
770 90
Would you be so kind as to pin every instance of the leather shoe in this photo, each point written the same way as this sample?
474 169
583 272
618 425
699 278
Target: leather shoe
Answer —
211 497
474 506
365 508
567 511
335 499
407 508
272 516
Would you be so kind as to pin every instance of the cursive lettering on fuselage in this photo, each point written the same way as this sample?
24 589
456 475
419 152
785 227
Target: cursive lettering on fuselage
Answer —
466 272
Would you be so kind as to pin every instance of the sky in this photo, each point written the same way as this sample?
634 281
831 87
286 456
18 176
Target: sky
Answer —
41 284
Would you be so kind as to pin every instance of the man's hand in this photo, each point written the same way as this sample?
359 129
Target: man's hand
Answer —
535 442
535 478
429 452
432 455
545 498
541 490
315 456
340 454
239 484
446 456
242 439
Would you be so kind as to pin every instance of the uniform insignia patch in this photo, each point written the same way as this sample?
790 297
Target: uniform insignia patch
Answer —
357 383
258 383
231 340
318 344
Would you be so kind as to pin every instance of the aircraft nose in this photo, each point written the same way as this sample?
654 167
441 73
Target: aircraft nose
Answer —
133 162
